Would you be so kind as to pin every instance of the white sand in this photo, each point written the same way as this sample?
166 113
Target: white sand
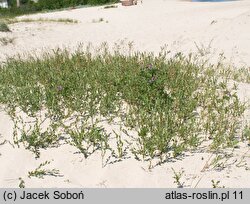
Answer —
214 27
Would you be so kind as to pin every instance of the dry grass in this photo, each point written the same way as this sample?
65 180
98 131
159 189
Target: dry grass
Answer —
6 40
41 20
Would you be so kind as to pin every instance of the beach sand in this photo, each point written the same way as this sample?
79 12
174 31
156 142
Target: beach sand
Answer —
183 26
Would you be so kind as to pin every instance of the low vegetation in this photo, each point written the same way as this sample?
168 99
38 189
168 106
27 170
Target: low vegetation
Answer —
98 20
241 75
246 134
21 183
177 178
6 40
41 20
110 6
29 7
56 4
216 184
40 171
4 27
139 104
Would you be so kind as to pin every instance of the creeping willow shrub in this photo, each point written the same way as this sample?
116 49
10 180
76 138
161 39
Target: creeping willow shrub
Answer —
172 104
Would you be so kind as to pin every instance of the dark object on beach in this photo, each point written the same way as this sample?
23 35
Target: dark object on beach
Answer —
128 2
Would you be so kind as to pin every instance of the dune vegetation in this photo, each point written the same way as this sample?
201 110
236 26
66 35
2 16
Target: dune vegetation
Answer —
145 105
29 7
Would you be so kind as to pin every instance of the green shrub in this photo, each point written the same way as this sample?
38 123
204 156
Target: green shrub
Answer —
97 2
14 11
57 4
28 6
4 27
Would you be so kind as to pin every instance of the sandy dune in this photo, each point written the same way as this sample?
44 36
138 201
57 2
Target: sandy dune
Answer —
178 24
212 28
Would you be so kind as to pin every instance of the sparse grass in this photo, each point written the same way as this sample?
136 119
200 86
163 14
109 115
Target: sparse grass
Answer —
6 40
22 183
4 27
216 184
40 172
239 75
177 178
41 20
172 105
98 20
34 138
110 6
246 134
